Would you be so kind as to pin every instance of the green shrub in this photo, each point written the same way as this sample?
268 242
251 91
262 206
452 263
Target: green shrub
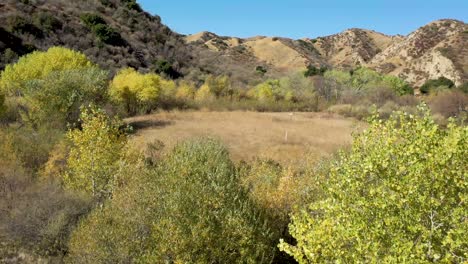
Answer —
165 67
132 5
91 20
313 71
20 25
398 196
108 35
190 209
261 70
47 22
103 32
433 84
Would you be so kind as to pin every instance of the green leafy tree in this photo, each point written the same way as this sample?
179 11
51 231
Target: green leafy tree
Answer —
190 209
95 150
398 85
56 99
398 196
364 78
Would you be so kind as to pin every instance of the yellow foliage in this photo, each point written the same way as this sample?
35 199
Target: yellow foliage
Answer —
204 93
168 88
38 65
135 90
57 162
96 148
185 91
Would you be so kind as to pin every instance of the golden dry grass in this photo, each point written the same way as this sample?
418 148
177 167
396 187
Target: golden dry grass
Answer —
250 134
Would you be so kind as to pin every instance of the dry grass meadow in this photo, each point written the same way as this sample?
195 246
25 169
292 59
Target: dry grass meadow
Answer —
283 137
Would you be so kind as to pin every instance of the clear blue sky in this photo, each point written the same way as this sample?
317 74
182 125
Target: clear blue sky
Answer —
301 18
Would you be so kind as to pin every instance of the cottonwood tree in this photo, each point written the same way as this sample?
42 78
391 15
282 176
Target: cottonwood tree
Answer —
398 196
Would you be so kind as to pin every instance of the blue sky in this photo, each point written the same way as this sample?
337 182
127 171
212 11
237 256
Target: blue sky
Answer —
301 18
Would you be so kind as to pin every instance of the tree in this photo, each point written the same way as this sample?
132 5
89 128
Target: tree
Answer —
219 86
165 67
57 99
37 66
135 91
269 90
95 150
398 196
398 85
364 78
435 83
190 209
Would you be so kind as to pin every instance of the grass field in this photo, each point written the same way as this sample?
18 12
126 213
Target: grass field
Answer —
284 137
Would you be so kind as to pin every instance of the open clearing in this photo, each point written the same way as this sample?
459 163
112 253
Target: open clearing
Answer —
284 137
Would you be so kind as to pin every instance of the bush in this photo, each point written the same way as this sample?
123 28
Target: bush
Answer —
398 85
433 84
136 92
463 87
450 103
47 22
37 66
191 209
313 71
20 25
103 32
91 20
398 196
164 67
108 35
27 147
37 216
132 5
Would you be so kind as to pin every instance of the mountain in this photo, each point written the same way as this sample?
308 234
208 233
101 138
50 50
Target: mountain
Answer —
437 49
118 33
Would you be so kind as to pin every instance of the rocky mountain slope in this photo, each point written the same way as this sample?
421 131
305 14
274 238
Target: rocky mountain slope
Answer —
437 49
118 33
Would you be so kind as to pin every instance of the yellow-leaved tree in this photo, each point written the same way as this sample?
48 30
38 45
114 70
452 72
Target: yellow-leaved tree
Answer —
135 91
96 149
38 65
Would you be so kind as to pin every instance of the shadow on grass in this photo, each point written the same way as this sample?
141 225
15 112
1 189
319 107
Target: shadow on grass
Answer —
142 124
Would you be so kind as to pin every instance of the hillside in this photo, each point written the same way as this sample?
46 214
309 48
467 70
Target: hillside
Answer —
117 34
129 37
437 49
